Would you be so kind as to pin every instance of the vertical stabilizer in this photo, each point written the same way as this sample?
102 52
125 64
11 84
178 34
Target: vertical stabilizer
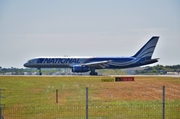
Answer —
147 50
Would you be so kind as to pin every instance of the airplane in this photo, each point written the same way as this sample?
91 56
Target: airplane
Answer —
85 64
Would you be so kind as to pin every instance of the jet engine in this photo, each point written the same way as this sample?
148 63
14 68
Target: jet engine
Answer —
79 68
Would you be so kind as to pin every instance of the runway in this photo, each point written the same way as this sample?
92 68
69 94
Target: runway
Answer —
95 76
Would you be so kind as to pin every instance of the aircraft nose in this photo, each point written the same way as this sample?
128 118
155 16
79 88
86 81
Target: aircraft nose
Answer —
25 65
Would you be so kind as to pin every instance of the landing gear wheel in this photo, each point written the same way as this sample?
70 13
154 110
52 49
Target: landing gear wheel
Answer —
93 73
40 73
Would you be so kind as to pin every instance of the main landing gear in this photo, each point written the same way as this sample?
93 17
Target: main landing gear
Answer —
93 71
40 73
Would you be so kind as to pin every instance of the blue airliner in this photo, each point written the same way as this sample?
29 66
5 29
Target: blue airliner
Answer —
86 64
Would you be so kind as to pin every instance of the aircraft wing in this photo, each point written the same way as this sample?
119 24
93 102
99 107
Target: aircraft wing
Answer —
99 64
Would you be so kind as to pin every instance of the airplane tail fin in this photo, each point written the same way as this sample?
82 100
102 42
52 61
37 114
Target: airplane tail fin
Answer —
146 52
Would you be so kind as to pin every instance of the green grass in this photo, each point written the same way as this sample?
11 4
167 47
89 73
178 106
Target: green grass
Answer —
35 97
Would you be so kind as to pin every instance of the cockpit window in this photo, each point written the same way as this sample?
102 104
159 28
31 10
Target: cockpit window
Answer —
30 61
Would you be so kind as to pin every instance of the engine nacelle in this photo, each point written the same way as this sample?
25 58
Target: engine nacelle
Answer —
78 68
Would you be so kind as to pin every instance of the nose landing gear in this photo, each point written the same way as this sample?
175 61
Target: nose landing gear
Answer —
40 73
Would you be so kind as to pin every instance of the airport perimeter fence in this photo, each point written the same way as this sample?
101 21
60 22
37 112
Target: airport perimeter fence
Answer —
95 112
73 104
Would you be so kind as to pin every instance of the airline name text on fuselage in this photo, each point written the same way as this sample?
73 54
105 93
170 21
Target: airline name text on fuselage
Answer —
61 60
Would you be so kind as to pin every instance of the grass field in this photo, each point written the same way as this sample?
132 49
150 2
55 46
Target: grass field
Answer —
35 97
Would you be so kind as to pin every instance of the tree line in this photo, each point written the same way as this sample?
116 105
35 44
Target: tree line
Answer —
159 69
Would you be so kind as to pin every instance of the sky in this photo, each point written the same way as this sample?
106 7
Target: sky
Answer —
32 28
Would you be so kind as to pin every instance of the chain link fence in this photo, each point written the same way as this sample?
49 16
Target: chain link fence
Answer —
95 112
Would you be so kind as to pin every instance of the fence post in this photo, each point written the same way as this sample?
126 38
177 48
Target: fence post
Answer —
86 102
1 105
56 95
163 102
